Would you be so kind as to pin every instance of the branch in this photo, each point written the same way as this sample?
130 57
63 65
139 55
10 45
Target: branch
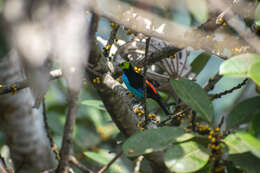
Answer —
74 161
47 129
23 125
145 78
175 33
66 149
111 93
18 85
219 95
212 82
138 164
110 163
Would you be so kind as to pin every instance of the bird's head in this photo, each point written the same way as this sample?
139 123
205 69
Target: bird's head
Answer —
125 65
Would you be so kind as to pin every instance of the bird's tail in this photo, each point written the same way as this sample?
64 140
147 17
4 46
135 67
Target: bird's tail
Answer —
162 106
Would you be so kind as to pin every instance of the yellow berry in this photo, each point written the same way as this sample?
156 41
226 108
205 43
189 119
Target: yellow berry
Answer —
209 137
213 140
237 49
142 129
14 89
128 32
139 114
1 85
219 169
142 111
150 116
211 132
112 25
217 129
217 147
94 80
155 118
220 20
140 124
108 47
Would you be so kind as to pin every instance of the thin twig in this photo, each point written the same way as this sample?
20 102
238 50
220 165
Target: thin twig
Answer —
110 163
18 85
45 120
138 164
111 40
145 78
172 116
212 82
66 149
219 95
84 169
3 168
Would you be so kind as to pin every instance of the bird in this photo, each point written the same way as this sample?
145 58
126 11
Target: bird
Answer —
135 84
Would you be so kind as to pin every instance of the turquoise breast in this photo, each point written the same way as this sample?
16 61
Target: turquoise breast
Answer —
137 92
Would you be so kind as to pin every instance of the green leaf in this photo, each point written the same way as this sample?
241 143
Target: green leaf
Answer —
254 72
243 112
195 97
199 63
199 9
254 127
152 140
238 65
186 157
246 161
241 142
98 104
257 15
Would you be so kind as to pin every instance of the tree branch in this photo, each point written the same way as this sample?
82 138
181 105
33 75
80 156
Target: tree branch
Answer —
110 163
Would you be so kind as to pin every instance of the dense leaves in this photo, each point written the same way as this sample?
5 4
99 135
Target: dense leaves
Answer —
195 97
243 112
246 161
241 142
154 140
199 63
238 65
186 157
254 72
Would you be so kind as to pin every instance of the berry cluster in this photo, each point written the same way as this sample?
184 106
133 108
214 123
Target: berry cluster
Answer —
96 80
137 69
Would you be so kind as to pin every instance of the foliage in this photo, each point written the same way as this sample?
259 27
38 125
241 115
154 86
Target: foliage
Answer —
193 138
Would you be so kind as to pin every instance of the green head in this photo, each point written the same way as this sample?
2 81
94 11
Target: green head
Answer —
125 65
